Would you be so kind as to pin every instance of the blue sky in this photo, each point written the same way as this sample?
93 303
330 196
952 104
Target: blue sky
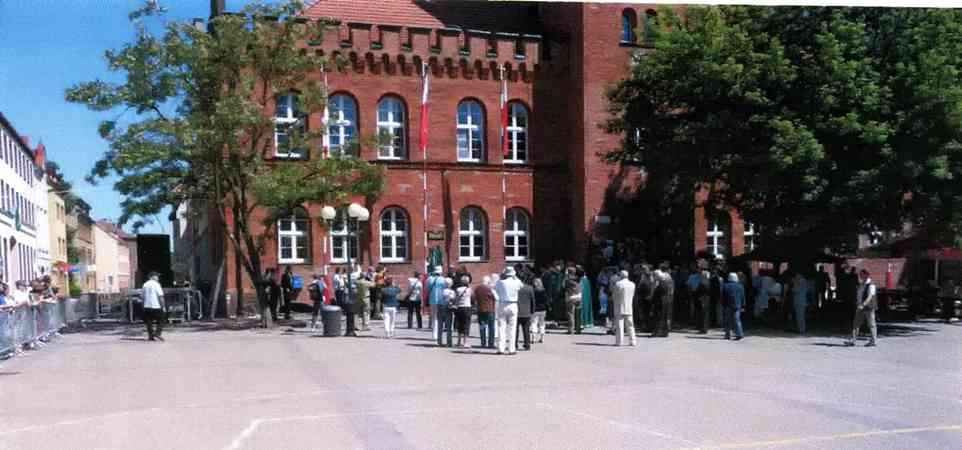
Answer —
48 45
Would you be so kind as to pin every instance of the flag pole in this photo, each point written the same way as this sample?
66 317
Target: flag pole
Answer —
504 150
425 86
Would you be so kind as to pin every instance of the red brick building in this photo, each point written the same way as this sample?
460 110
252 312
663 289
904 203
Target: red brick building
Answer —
549 199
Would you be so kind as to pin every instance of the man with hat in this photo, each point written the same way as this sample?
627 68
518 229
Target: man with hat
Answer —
507 290
154 307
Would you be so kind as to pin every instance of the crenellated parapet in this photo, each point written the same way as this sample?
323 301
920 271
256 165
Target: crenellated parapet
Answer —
449 52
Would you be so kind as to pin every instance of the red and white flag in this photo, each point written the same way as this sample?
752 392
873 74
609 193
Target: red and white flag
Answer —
326 140
504 114
425 89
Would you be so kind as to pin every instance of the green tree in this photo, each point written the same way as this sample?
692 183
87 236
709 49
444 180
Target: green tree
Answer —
203 128
820 122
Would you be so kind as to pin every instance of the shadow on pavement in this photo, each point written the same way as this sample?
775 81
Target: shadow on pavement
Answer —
827 344
422 345
595 344
707 338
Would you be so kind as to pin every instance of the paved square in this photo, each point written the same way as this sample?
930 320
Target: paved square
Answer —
213 387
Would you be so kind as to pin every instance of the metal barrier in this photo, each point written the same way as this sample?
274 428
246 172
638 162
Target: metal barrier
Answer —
25 325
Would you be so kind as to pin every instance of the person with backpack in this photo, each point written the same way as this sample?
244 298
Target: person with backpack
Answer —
414 299
316 291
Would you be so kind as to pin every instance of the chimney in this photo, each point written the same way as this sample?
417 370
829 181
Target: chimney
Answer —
216 8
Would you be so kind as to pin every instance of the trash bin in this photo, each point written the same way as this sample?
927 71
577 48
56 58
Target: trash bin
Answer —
331 318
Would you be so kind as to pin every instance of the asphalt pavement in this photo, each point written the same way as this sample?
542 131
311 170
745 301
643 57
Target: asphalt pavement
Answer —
228 386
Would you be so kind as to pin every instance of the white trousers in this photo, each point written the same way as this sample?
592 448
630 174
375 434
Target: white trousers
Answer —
538 325
434 321
507 327
623 321
390 320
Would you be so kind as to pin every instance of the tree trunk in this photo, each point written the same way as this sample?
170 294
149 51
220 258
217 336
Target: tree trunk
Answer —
215 294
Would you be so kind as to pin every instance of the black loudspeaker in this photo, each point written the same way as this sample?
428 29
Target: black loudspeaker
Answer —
153 255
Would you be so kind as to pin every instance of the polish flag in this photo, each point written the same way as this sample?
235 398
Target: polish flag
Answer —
504 114
425 89
326 140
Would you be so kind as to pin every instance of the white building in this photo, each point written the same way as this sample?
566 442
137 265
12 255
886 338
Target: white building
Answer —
24 244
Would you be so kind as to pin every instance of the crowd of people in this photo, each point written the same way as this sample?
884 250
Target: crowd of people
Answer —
25 294
622 294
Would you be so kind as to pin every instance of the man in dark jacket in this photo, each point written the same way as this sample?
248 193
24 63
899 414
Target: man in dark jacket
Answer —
733 303
483 296
525 311
287 291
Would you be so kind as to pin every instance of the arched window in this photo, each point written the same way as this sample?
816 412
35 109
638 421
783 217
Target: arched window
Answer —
341 125
394 235
651 20
750 235
390 129
629 21
342 240
517 133
472 231
516 235
294 238
287 120
470 131
719 234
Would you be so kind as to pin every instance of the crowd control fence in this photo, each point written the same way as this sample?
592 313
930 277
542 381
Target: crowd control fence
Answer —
25 325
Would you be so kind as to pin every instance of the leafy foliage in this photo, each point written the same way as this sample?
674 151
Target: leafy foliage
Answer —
807 120
203 128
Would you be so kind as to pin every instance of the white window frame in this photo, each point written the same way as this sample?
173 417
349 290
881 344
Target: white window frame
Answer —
749 236
339 233
396 252
471 130
391 127
295 235
338 123
514 130
288 120
473 233
513 229
715 235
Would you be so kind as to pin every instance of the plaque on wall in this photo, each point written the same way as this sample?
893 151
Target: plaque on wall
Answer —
435 235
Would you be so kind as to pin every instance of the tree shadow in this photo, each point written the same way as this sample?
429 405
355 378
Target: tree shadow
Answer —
893 330
8 374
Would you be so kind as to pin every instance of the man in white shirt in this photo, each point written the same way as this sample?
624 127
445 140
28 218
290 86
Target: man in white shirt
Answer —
866 305
507 291
154 307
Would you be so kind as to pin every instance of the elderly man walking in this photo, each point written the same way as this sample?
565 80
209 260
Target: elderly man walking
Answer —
154 307
507 290
733 302
866 305
623 296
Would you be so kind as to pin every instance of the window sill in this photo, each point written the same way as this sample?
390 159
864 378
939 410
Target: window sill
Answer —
392 158
470 161
293 262
515 162
472 260
394 261
518 260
